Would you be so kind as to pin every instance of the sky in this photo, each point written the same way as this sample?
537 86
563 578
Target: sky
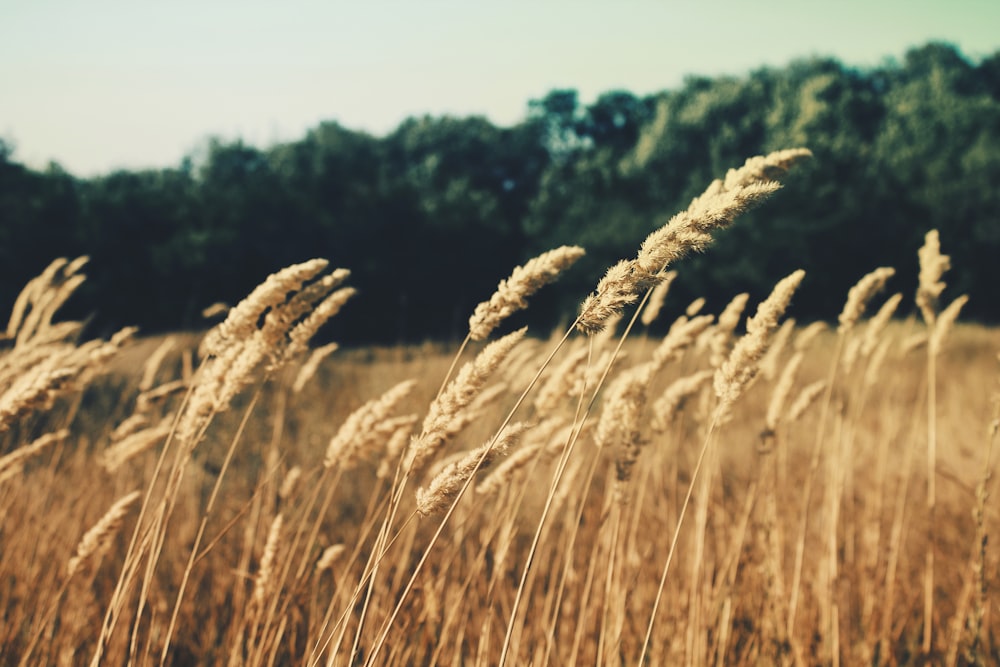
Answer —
108 84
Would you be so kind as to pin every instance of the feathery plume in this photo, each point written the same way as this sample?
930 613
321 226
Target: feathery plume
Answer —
146 399
329 557
808 335
365 428
309 368
878 323
912 342
932 266
806 398
656 299
152 364
560 381
99 537
39 320
65 367
769 364
511 294
242 319
30 293
395 445
290 483
217 309
859 296
672 399
444 488
695 307
875 362
138 420
262 583
13 463
681 336
688 231
741 367
456 397
620 421
722 333
305 330
945 321
782 390
615 290
115 456
541 445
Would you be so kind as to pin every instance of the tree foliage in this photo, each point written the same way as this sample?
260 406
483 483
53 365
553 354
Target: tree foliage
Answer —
432 215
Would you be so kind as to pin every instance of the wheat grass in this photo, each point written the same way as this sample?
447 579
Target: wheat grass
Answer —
98 538
283 544
512 293
444 488
440 422
741 367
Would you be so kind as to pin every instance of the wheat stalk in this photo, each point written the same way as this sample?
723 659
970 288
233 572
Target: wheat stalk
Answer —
688 231
13 463
262 582
444 488
311 365
366 428
448 406
741 367
656 299
511 294
722 332
97 539
241 322
859 296
932 266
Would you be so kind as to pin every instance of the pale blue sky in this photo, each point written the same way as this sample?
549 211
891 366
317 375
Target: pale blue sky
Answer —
101 84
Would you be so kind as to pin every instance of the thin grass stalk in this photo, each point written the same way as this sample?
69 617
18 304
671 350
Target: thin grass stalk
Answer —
396 490
279 582
91 545
931 499
574 532
560 469
341 622
706 444
892 560
453 613
581 623
158 531
732 563
976 649
230 452
630 558
698 598
46 618
861 563
407 469
381 640
132 557
615 536
814 463
320 645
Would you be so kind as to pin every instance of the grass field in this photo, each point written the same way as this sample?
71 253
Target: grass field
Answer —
734 492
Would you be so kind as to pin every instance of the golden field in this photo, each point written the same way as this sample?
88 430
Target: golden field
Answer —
732 492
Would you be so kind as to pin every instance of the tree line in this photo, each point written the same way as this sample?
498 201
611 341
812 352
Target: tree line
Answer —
432 215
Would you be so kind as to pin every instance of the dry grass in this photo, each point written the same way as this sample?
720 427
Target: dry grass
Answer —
826 502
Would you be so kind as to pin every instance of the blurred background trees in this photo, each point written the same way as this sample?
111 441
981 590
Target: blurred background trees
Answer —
432 215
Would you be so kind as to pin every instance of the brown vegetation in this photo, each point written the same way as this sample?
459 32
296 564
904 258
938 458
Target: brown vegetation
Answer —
720 495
